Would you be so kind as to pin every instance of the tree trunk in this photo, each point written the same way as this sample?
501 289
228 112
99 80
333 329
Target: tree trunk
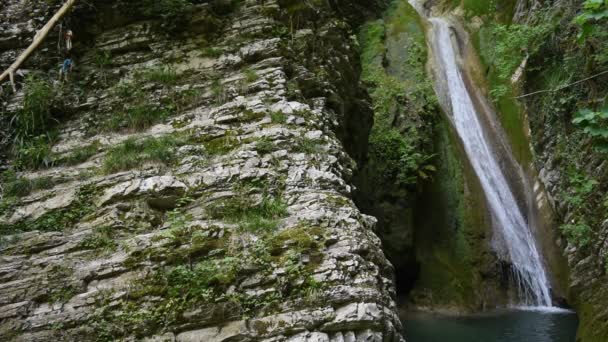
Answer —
38 39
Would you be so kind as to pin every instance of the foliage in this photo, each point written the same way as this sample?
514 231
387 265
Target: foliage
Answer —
278 117
222 145
163 74
512 43
211 52
78 155
34 119
578 231
15 186
136 112
265 146
395 158
250 216
251 75
57 219
580 188
594 12
578 234
31 126
33 153
595 125
307 145
101 240
132 153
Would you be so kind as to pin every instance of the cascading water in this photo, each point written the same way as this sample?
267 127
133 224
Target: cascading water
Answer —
515 234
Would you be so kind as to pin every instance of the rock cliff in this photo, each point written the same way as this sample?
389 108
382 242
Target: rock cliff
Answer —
197 184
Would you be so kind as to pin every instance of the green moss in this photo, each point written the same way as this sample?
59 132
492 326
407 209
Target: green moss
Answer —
403 98
451 236
300 239
222 145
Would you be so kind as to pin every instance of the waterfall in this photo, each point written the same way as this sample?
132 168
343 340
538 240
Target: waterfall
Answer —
509 221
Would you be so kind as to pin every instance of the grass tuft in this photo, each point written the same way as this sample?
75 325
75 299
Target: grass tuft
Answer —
133 153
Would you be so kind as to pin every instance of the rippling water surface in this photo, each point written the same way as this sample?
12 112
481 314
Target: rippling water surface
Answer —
503 326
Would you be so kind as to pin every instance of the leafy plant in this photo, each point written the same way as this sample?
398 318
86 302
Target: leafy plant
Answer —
594 11
595 125
512 43
33 153
578 234
580 188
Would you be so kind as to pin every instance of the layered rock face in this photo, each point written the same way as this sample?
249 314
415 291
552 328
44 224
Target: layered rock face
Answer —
199 187
572 167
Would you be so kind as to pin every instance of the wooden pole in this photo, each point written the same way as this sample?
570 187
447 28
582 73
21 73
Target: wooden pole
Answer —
38 39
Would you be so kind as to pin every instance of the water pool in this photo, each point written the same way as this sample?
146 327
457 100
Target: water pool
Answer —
499 326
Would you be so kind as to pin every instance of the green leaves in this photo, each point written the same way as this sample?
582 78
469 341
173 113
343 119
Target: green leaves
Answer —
512 44
595 125
593 12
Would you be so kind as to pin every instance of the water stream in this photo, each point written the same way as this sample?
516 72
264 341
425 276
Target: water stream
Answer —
517 243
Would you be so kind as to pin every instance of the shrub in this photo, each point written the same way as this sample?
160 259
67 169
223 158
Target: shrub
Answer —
394 158
594 125
512 44
578 234
34 118
33 153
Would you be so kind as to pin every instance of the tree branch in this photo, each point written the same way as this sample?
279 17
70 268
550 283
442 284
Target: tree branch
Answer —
38 39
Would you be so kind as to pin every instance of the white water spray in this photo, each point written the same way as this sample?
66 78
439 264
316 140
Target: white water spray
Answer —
530 275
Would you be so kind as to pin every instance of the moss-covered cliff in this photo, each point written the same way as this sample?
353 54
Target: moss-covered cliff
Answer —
417 181
192 180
